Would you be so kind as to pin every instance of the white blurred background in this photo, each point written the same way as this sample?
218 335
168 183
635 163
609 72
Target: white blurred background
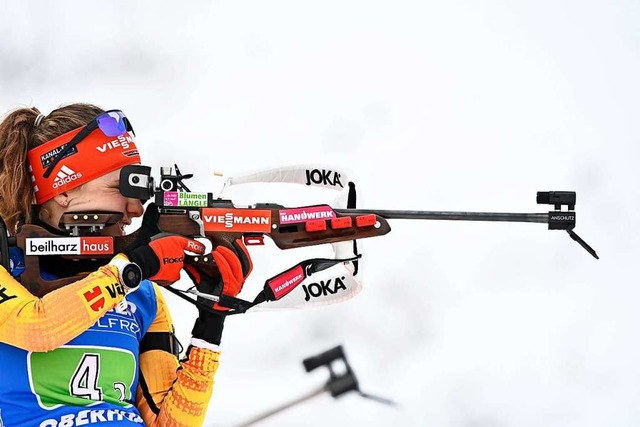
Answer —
457 105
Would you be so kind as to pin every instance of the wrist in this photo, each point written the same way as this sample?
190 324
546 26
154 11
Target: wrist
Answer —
209 327
198 342
145 258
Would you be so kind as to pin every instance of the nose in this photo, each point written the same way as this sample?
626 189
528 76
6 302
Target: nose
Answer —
134 208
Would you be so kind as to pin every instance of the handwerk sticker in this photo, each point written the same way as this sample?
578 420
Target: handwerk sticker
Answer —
285 283
311 213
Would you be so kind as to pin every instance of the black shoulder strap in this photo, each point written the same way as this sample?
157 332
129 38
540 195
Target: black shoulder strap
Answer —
165 341
146 394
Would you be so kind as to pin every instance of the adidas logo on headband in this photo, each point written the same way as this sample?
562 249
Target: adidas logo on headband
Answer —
65 176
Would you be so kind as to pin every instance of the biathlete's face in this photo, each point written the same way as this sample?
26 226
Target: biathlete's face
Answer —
79 171
103 194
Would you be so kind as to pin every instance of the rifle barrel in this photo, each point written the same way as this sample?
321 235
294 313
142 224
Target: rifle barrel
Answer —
451 216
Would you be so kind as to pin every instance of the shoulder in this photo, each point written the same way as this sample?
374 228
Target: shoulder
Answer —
163 320
144 296
144 304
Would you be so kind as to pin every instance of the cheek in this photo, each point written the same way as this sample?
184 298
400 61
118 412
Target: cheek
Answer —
112 202
121 202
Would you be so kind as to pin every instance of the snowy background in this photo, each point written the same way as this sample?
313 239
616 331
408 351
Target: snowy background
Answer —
436 105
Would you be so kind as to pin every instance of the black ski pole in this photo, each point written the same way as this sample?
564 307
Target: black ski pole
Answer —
340 382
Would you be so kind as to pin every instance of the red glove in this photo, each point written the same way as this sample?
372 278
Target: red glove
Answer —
159 255
230 272
233 267
230 266
163 257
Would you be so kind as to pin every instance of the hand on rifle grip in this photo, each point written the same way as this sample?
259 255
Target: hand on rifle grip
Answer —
231 270
160 256
149 226
232 267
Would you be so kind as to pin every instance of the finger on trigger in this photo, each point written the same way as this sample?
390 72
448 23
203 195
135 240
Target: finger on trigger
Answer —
233 261
245 258
224 268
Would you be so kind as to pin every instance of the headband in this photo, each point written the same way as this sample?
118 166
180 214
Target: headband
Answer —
96 156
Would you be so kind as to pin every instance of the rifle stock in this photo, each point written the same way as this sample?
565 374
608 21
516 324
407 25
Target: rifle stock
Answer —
308 228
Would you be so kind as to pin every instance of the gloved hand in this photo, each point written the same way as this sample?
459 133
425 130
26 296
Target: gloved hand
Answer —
233 268
159 255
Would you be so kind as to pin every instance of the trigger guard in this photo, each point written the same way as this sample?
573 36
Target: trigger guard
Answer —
253 240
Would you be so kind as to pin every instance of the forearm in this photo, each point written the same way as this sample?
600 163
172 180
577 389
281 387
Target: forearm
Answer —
172 393
182 397
43 324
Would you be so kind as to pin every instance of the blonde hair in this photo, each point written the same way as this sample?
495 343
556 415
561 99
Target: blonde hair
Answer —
18 135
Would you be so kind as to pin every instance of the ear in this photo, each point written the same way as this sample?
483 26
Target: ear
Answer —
62 199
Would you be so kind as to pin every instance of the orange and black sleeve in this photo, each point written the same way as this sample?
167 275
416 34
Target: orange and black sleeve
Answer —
172 392
44 324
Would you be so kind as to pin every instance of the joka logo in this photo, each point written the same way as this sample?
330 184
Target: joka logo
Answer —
315 290
323 177
65 176
4 297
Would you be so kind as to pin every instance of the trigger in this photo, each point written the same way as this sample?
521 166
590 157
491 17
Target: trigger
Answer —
253 239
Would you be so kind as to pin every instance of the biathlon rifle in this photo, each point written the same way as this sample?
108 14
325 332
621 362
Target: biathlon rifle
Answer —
203 215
